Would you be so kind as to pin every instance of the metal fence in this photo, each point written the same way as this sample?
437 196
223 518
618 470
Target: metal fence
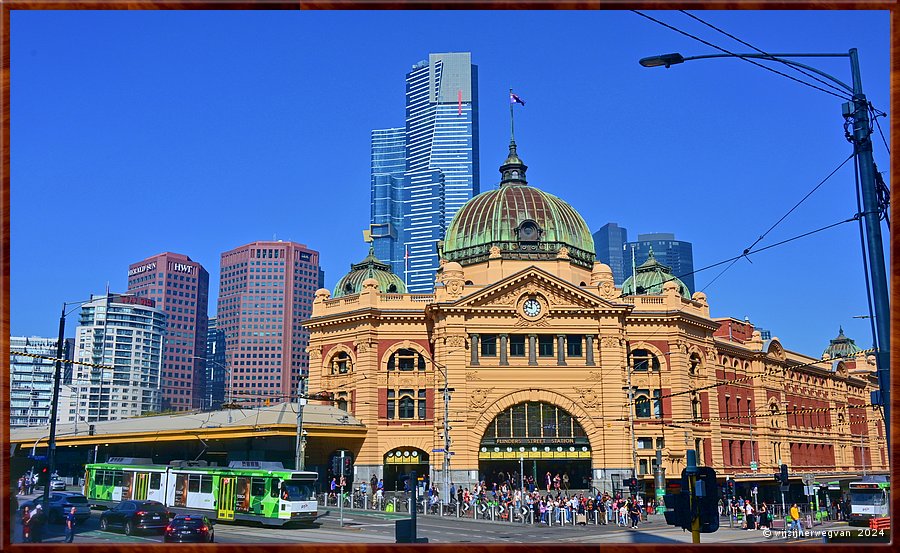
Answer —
492 511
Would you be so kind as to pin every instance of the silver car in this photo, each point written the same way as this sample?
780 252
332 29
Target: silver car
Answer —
57 485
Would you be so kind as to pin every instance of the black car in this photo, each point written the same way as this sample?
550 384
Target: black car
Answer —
189 529
136 515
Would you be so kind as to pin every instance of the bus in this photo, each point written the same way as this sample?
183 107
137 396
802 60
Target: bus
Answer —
868 500
250 491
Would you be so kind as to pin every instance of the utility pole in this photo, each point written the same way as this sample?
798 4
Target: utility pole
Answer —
858 111
300 449
341 496
51 444
691 470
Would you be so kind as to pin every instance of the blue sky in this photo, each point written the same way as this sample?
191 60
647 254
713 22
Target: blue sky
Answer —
137 132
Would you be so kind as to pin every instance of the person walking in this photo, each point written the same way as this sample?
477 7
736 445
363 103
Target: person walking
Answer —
26 524
635 512
70 526
749 515
36 524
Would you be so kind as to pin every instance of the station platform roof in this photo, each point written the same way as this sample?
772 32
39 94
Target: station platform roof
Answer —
325 421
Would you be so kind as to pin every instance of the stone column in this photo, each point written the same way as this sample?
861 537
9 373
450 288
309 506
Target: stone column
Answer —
504 341
475 345
532 349
589 346
561 349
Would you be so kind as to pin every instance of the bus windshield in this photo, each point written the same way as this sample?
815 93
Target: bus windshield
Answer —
297 490
867 497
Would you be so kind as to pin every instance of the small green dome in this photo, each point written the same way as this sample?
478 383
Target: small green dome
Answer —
370 267
522 221
651 275
841 347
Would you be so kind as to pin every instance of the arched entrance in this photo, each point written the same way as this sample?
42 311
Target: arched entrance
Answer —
399 462
530 439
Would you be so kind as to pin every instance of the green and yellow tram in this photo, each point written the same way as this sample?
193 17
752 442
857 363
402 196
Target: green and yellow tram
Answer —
259 491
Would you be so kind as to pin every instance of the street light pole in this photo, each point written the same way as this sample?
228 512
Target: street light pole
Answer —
300 449
857 112
54 406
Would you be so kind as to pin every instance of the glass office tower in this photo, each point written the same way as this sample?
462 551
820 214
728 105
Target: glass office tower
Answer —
609 242
410 215
677 254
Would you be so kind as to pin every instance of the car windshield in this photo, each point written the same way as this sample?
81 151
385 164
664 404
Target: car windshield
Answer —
296 490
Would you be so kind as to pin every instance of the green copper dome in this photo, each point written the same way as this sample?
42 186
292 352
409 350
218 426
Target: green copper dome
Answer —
651 275
370 267
523 222
841 346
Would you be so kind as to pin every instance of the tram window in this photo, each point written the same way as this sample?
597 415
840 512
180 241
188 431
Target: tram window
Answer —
273 488
257 487
193 483
119 477
154 480
206 484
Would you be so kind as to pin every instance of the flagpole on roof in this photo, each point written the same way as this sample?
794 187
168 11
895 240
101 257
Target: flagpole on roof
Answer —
512 134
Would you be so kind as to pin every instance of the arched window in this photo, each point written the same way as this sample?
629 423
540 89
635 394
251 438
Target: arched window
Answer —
348 288
406 359
695 405
534 420
407 405
773 415
643 360
392 289
341 363
642 406
694 364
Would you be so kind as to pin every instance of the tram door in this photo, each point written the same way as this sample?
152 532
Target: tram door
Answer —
141 484
226 498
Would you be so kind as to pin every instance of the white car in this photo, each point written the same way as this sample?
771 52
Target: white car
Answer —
57 485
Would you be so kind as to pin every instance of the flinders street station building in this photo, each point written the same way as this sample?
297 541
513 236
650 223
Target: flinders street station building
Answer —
528 359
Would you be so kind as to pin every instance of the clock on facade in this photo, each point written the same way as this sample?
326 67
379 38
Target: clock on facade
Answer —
531 307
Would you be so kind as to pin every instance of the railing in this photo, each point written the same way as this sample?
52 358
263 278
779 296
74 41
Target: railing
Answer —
510 512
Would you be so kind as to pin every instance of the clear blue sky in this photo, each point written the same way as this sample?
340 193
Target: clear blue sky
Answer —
134 133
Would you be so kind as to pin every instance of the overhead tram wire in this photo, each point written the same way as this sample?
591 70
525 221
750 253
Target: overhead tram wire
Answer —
747 44
876 113
843 97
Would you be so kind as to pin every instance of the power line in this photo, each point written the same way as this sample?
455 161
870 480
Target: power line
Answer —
783 62
842 97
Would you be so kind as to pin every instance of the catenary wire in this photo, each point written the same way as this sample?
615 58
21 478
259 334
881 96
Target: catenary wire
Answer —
745 43
842 97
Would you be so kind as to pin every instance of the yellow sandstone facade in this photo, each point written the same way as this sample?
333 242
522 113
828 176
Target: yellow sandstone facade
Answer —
550 367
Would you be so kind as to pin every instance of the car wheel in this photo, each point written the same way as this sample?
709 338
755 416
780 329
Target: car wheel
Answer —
128 528
104 524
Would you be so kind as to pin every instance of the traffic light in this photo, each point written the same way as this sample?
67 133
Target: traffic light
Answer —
678 509
729 488
706 497
783 477
632 484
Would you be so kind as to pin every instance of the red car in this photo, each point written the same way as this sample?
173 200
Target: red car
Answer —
189 529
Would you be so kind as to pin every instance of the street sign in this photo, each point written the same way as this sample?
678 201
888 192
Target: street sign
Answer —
451 453
808 491
38 457
754 466
438 450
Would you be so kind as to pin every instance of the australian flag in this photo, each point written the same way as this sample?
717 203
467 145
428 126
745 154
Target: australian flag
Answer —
514 99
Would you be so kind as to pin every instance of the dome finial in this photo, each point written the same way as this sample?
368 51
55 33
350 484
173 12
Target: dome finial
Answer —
513 170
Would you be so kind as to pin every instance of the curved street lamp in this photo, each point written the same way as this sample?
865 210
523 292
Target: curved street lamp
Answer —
857 111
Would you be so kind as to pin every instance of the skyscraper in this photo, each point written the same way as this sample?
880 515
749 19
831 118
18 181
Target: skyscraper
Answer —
180 287
265 289
215 366
609 242
31 379
441 170
125 333
388 172
676 254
